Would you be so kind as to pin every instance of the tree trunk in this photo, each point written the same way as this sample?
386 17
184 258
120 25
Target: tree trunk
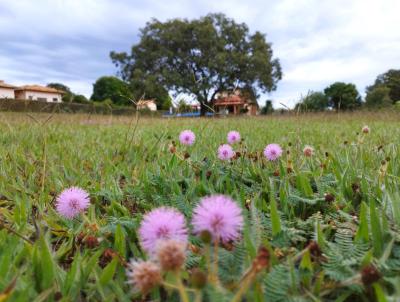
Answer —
203 109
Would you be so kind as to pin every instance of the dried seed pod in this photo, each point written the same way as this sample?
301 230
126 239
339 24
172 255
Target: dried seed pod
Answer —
144 275
171 255
370 274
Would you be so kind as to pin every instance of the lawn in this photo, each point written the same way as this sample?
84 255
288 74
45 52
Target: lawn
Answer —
323 227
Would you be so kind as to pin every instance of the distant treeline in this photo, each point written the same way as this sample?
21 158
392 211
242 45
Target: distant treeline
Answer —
383 93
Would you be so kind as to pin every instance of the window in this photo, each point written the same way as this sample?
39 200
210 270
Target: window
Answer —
42 99
55 100
30 97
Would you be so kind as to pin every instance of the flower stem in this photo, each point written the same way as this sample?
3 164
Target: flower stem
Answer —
198 296
214 266
181 288
244 286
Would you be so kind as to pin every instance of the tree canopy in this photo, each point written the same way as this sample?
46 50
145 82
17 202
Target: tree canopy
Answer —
343 96
314 101
68 96
378 97
391 80
268 108
112 88
201 57
145 86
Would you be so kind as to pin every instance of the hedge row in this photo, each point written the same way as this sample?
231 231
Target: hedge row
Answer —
38 106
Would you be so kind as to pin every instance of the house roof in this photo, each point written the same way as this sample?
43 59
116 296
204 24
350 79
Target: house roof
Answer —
38 88
230 100
5 85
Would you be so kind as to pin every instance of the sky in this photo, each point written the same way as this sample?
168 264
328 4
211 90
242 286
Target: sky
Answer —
318 42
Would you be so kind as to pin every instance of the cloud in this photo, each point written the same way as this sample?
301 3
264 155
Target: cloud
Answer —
318 42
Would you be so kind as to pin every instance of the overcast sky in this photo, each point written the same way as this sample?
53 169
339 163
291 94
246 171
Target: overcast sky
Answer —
318 42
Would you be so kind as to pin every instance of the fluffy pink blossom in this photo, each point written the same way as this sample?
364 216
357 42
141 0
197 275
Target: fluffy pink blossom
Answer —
233 137
160 224
72 201
187 137
272 152
225 152
365 129
308 151
220 216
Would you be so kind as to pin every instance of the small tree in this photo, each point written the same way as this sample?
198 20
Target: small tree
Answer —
314 101
108 87
391 80
268 108
343 96
68 94
182 106
378 97
79 98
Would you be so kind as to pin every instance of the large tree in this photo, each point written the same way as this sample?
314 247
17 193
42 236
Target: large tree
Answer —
111 88
391 80
202 57
343 96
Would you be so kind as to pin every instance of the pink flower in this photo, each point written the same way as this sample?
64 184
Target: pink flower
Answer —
160 224
308 151
272 152
72 201
220 216
187 137
365 129
225 152
233 137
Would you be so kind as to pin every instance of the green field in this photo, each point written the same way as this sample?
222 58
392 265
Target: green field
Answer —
126 165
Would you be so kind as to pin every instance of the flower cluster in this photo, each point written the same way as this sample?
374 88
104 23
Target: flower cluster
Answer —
225 152
163 235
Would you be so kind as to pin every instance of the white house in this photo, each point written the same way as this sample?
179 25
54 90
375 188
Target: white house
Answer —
38 93
6 90
147 104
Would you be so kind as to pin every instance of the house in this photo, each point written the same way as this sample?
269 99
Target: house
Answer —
38 93
6 90
234 103
147 105
195 107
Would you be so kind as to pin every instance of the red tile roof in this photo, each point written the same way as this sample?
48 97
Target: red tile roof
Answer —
38 88
5 85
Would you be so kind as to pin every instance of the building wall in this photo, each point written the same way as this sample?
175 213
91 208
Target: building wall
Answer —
6 93
150 106
39 96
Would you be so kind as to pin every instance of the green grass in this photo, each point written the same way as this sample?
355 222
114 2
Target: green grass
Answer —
126 166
